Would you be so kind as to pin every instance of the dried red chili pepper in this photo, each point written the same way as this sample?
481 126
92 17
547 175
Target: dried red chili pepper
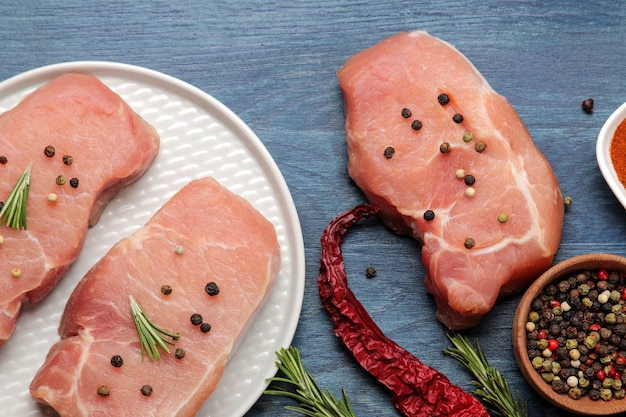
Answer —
417 390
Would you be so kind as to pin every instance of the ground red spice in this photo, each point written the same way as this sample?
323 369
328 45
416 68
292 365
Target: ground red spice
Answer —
618 151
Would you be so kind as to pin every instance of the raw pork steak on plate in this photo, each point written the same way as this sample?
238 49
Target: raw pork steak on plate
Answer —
207 251
76 128
448 161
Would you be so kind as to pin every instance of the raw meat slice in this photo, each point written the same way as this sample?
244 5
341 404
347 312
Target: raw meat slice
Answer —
110 146
224 240
417 111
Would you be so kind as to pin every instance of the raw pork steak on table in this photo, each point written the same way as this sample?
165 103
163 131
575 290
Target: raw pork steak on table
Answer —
207 251
84 143
448 161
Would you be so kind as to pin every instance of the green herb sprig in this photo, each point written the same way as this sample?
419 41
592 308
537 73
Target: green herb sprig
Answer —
151 337
13 212
313 401
492 387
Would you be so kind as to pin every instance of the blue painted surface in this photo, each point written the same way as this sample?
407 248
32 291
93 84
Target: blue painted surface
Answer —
273 63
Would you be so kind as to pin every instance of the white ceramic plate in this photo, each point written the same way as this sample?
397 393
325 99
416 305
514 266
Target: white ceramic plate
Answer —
199 137
603 154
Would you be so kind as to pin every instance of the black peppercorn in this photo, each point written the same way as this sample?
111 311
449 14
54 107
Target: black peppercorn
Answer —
67 159
469 180
205 327
166 289
196 319
406 113
416 125
587 105
146 390
458 118
74 182
180 353
49 151
389 151
429 215
370 272
443 99
3 160
444 147
116 360
212 289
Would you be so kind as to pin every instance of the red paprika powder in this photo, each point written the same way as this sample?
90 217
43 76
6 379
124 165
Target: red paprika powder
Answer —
618 151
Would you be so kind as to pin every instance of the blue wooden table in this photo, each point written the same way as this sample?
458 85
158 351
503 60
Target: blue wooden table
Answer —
273 63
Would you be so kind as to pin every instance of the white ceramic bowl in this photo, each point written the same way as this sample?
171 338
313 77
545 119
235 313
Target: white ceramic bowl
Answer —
603 155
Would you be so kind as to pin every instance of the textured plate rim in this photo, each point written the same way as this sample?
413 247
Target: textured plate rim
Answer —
294 237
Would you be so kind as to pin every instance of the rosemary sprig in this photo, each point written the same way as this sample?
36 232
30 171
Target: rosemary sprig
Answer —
13 212
492 387
151 337
313 401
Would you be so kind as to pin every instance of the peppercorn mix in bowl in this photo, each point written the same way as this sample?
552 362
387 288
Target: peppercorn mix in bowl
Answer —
569 334
611 152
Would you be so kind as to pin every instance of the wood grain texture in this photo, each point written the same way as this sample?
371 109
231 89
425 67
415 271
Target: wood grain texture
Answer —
273 63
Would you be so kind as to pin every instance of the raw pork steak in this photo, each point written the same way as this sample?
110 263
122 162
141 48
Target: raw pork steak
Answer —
449 162
110 146
222 239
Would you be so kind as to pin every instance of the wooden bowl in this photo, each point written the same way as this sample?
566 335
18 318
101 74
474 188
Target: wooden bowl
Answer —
584 405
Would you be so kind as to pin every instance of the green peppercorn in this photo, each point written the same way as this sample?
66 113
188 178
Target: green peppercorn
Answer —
533 316
547 376
467 137
537 362
60 180
567 201
574 393
590 342
583 382
606 394
103 391
615 296
583 289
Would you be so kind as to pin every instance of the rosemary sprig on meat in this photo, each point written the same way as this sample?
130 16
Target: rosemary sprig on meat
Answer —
313 401
492 387
13 212
151 337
